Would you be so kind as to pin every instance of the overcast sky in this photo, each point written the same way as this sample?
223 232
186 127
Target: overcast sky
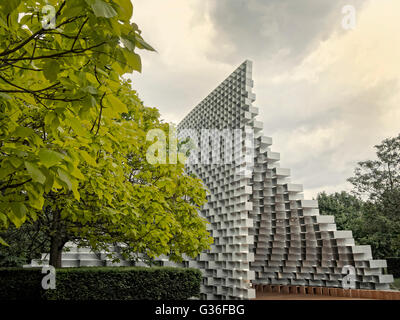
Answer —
326 95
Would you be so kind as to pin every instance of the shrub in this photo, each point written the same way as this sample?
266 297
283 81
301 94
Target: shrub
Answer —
393 266
21 284
104 283
25 243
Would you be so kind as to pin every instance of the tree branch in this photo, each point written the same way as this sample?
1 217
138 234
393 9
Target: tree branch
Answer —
16 185
29 39
79 32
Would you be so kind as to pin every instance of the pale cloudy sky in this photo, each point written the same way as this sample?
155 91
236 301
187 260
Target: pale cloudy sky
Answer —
326 95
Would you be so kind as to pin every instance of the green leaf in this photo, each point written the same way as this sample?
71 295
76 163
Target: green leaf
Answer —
14 219
103 9
133 60
9 6
3 23
75 191
16 162
26 19
6 169
65 177
91 90
18 209
75 172
77 126
49 157
50 119
5 96
126 9
88 158
116 104
128 44
35 172
36 203
23 132
2 242
143 44
51 70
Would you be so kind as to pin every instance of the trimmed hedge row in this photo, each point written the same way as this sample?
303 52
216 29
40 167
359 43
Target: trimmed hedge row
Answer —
104 283
393 266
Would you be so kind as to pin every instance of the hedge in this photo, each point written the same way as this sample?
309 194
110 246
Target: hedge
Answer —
393 266
103 283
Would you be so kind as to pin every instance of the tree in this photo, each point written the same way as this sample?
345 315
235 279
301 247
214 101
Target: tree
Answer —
72 135
365 219
345 207
25 243
373 212
379 182
376 179
379 231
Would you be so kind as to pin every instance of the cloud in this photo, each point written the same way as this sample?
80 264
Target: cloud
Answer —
283 30
326 95
328 112
179 76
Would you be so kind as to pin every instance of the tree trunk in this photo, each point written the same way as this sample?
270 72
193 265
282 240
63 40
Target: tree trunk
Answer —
56 247
57 241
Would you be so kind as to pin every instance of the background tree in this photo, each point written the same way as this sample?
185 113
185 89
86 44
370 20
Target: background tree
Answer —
378 181
380 178
373 212
25 243
367 221
72 135
347 209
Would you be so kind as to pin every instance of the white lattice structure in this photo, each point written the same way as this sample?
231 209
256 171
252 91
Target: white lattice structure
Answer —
264 231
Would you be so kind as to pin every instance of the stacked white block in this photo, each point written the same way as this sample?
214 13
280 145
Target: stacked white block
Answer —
264 231
224 161
73 256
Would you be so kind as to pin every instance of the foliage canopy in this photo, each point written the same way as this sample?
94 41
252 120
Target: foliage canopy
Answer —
73 134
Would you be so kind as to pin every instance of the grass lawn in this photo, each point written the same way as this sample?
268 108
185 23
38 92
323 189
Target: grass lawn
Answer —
396 284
